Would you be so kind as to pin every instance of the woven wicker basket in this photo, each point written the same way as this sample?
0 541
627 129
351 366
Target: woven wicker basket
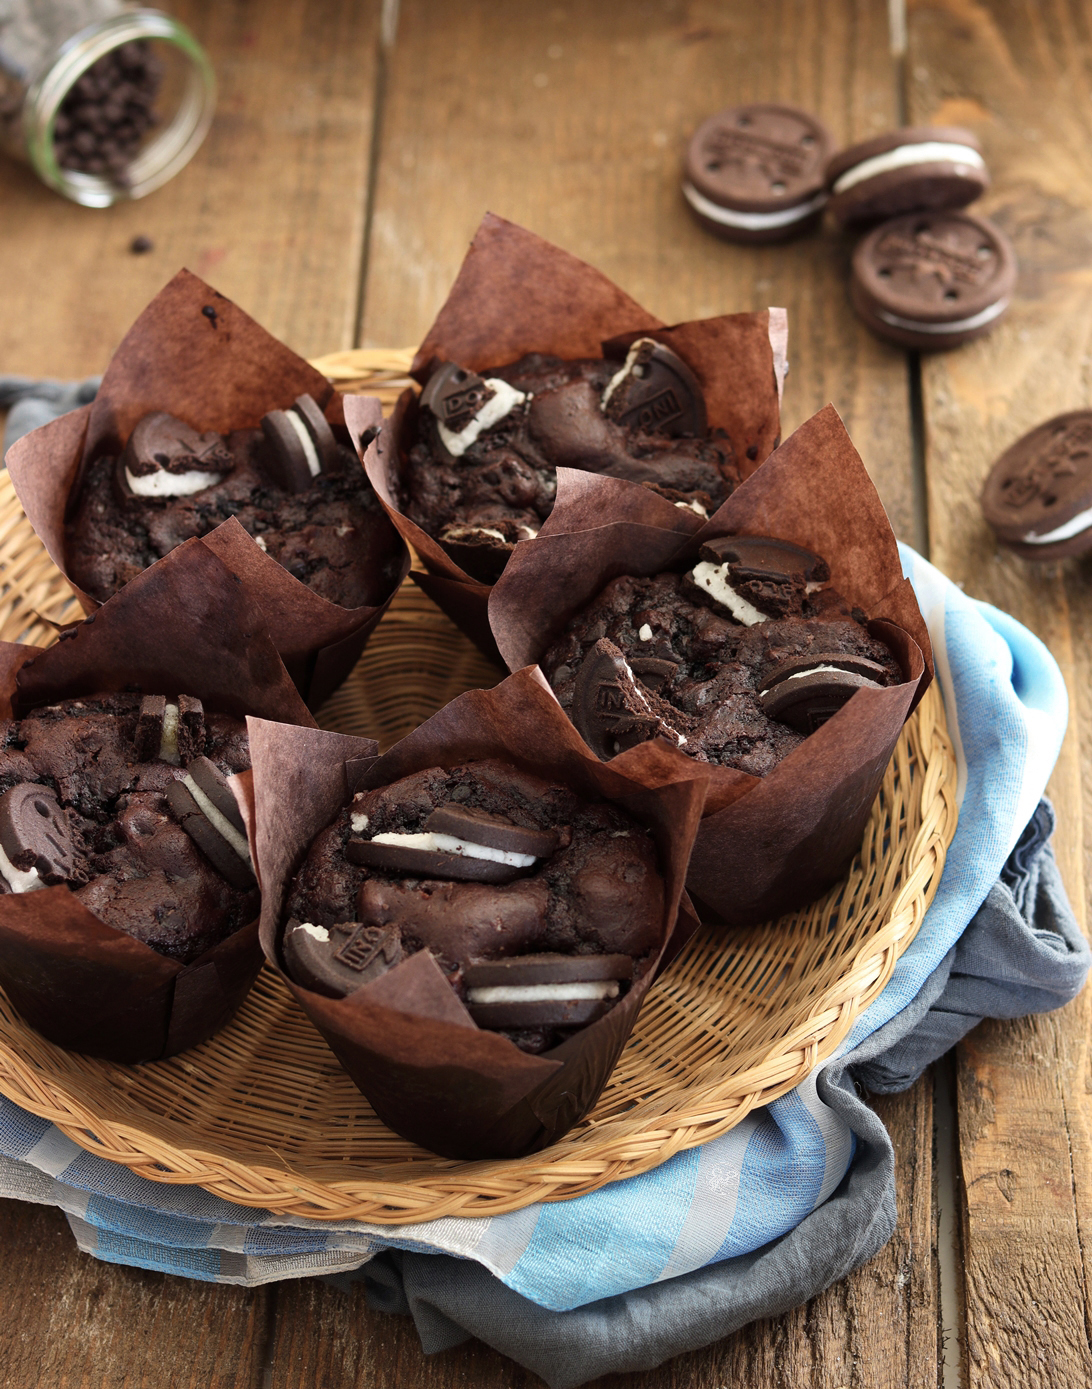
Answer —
263 1114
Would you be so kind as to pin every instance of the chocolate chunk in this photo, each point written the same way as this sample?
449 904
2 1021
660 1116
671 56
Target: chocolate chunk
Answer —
351 954
428 863
933 280
652 671
494 831
806 702
515 971
859 665
211 780
161 443
191 728
609 711
1040 489
658 393
208 839
315 423
149 729
288 460
35 833
454 396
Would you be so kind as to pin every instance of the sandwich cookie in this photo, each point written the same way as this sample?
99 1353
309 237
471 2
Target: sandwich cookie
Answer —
805 693
337 960
166 458
203 804
457 842
933 280
547 990
923 168
758 173
38 844
1038 496
301 443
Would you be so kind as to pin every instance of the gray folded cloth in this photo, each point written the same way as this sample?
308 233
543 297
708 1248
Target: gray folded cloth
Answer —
32 402
1022 952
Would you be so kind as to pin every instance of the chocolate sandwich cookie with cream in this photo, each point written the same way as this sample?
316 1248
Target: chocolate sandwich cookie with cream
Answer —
933 280
126 801
540 907
291 484
481 476
757 173
1037 498
918 169
734 661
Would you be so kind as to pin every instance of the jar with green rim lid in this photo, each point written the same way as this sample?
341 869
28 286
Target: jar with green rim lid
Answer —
68 109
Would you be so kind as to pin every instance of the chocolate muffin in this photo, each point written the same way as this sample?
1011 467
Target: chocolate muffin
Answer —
481 476
299 492
125 800
734 661
540 907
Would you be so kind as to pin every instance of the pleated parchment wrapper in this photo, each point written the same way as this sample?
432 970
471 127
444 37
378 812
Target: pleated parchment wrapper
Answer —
769 844
405 1039
516 293
198 356
184 626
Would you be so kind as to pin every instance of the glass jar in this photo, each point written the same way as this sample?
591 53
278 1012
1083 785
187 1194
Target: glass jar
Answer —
46 47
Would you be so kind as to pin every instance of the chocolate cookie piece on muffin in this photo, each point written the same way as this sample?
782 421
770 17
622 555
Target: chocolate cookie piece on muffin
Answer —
125 800
300 493
735 660
481 476
540 907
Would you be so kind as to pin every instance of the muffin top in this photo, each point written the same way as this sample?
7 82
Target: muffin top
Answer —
124 798
493 870
481 476
735 661
292 485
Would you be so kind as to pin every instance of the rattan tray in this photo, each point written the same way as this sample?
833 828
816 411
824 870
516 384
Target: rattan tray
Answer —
264 1116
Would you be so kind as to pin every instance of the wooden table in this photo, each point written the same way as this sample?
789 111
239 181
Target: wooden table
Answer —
355 149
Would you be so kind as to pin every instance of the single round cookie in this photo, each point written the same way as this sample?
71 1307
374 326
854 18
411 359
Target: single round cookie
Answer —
734 661
757 173
540 907
932 280
1038 496
921 168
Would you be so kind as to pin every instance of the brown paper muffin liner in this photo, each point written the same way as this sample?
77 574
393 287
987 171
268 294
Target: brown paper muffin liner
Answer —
405 1039
197 355
516 293
185 625
769 844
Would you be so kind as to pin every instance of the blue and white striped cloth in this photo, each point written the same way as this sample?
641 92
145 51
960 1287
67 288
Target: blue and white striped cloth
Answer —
1007 711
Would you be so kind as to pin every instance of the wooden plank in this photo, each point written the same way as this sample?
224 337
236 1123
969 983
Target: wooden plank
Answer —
271 210
71 1322
1018 75
572 121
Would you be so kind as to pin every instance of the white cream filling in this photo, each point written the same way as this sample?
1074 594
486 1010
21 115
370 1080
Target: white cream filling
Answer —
449 844
314 467
358 821
927 152
168 738
960 325
544 993
711 577
751 221
530 533
1080 522
464 532
259 540
320 933
645 633
163 484
16 879
620 375
502 403
219 822
343 531
813 588
696 507
680 738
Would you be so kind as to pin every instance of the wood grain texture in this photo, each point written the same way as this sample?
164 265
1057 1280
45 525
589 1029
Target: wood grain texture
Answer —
71 1322
1019 75
270 210
573 121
